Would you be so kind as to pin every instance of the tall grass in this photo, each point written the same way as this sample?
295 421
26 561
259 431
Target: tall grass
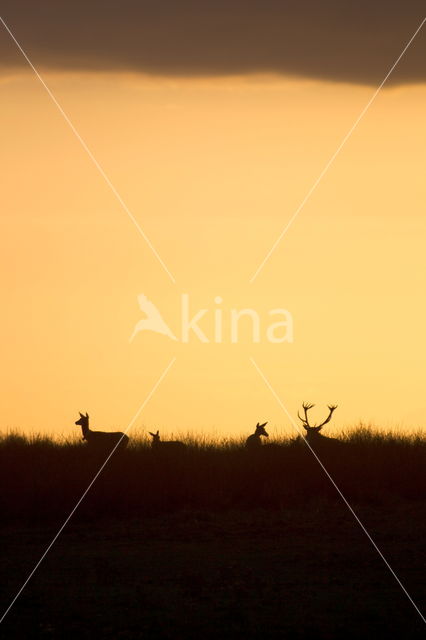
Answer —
42 479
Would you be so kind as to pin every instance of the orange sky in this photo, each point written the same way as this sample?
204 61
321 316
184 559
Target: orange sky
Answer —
212 169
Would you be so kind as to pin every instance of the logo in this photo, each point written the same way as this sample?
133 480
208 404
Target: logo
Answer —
153 320
276 329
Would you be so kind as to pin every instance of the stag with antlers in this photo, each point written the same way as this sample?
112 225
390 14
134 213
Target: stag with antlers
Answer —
313 434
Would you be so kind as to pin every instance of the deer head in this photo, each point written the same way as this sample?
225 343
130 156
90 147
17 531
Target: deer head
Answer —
314 429
84 424
155 436
84 420
260 430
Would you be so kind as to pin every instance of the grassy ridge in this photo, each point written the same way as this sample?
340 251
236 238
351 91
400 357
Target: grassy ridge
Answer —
42 479
239 545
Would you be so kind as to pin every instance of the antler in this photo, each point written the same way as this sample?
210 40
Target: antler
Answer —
332 408
305 421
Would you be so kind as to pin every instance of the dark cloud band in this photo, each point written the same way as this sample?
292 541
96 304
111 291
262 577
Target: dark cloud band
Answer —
352 41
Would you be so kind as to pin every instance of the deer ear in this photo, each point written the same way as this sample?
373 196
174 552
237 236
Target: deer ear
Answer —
158 431
81 415
258 425
264 424
87 415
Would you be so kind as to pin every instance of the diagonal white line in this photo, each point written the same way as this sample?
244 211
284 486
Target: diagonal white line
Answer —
96 476
334 156
90 154
290 417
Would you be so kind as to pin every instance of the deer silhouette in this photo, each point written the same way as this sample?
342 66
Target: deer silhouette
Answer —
101 439
167 445
254 441
313 435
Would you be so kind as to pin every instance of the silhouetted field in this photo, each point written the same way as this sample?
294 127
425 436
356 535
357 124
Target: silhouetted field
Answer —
41 479
214 541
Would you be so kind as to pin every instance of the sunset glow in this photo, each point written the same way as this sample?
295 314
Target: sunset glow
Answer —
212 169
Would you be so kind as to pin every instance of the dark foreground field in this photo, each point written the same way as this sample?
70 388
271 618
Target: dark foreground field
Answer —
214 543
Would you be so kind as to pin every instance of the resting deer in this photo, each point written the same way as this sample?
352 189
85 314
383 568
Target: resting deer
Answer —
254 441
166 445
101 439
313 434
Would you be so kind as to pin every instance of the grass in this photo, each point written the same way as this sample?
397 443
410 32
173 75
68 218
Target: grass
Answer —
215 542
40 477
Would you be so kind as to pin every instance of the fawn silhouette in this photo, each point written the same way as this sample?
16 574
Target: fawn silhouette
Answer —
254 441
167 445
101 439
